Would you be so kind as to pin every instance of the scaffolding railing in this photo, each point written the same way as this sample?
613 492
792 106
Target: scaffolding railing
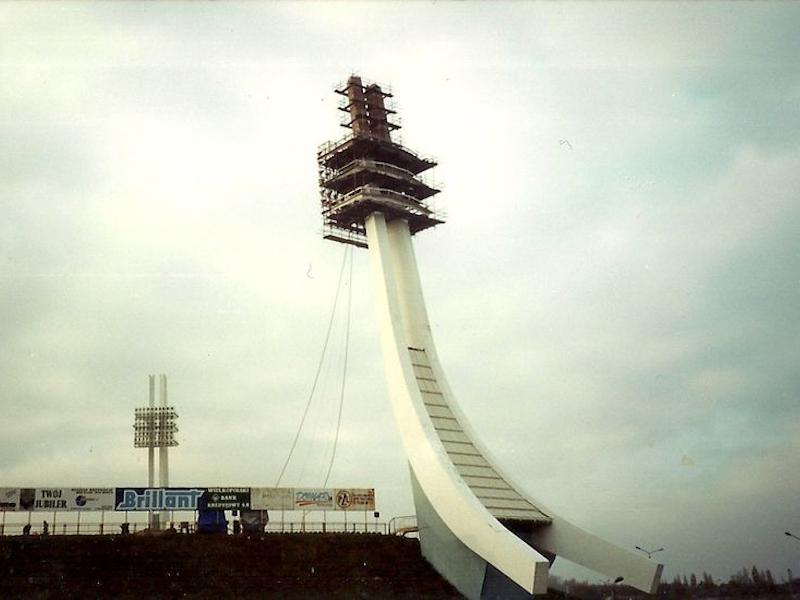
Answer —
330 146
328 174
383 196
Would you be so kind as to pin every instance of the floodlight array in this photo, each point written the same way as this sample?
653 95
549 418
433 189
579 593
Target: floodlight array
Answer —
154 427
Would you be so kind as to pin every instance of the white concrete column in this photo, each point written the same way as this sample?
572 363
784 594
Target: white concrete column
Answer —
151 452
461 518
163 452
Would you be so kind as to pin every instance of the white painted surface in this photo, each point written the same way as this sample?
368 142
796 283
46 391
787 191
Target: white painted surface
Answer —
163 452
457 475
151 452
438 478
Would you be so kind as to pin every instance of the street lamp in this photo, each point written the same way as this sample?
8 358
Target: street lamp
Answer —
648 552
790 534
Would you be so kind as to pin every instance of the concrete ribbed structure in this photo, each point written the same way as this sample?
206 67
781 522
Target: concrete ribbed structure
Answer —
478 527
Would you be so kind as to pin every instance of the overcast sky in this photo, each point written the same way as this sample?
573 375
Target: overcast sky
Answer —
615 295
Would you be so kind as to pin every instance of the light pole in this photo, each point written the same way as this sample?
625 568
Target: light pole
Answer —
154 427
649 552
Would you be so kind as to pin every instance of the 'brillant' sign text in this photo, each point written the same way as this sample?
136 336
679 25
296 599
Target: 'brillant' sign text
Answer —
158 498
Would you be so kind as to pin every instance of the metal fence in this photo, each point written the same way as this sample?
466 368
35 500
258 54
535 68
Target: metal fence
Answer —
404 526
74 529
112 523
115 528
326 527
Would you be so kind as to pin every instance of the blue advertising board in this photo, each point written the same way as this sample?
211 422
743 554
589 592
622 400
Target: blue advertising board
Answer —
135 498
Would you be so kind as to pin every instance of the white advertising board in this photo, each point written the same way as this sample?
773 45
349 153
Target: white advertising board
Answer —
313 499
90 498
336 499
272 498
59 499
354 499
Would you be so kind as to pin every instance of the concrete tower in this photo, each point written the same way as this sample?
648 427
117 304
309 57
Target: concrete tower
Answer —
478 528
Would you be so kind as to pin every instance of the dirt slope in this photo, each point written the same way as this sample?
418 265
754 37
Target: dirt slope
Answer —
194 566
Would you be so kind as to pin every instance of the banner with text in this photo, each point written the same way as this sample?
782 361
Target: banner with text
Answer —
157 498
189 498
354 499
336 499
226 499
56 499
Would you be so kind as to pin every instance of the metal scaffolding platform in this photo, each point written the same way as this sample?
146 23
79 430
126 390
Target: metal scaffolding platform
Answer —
366 172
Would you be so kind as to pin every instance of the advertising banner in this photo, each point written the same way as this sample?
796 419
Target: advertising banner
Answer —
355 499
147 499
313 499
65 499
272 498
135 498
226 499
9 499
89 498
48 499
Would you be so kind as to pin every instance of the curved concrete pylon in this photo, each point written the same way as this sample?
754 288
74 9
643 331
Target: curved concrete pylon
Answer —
477 528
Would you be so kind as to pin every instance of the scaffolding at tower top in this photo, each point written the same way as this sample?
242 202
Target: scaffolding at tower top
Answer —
366 171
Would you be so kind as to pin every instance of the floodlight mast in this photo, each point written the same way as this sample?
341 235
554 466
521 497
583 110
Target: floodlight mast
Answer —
478 529
154 427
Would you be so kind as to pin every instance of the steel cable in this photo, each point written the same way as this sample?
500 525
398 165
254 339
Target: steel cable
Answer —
319 366
344 371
